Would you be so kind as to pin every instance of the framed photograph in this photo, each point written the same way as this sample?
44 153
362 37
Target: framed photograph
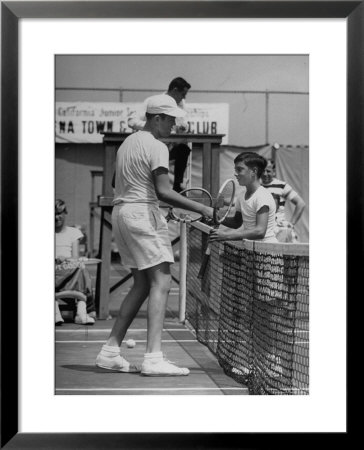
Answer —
38 36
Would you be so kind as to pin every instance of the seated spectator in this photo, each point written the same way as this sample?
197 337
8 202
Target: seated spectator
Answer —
282 191
70 272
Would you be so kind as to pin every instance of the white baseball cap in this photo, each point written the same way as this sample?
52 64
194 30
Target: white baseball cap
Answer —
164 104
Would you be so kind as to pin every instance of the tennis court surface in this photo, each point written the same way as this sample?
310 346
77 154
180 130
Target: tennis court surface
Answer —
246 330
77 346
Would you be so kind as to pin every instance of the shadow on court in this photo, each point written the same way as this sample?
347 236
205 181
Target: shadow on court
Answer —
77 346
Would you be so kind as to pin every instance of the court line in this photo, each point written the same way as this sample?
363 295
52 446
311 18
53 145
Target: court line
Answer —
141 341
290 390
150 389
107 330
137 341
93 330
173 291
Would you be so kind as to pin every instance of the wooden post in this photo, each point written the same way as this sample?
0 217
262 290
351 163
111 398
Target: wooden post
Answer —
266 117
215 170
206 166
103 269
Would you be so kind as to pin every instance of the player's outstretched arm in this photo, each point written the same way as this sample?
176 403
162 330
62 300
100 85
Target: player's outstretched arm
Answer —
258 232
221 234
166 194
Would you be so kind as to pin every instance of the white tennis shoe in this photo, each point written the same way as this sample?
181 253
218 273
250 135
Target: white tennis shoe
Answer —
160 367
116 363
59 318
84 319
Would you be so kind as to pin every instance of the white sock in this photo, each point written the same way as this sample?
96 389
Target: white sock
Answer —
81 308
155 355
57 309
110 350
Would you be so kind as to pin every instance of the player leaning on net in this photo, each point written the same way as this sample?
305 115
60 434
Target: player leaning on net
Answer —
141 233
255 208
254 220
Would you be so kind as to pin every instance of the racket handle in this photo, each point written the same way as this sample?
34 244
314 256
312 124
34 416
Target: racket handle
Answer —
204 263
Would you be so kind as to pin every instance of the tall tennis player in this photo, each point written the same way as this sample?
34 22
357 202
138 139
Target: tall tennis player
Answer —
141 234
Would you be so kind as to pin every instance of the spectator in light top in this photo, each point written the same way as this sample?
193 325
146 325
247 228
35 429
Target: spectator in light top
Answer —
70 272
282 191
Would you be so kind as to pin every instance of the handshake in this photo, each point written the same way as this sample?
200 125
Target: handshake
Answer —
207 220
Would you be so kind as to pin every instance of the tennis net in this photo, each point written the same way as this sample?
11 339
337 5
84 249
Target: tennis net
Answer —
251 309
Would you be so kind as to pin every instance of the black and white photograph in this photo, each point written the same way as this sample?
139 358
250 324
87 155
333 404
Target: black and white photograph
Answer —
182 224
180 196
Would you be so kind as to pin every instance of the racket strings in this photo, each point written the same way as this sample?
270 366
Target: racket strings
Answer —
223 203
196 194
224 200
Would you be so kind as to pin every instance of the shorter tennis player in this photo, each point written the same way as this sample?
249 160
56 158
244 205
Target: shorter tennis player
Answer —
141 234
255 208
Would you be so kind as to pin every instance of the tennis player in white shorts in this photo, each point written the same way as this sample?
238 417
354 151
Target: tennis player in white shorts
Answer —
142 238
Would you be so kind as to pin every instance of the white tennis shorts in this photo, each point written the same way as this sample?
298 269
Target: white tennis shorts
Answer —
141 234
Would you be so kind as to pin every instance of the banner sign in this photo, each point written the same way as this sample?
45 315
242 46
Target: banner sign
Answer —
83 122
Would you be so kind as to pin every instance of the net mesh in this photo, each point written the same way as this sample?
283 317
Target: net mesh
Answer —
251 309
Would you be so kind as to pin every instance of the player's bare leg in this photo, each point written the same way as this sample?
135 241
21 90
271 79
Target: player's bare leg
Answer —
109 357
129 307
160 283
154 363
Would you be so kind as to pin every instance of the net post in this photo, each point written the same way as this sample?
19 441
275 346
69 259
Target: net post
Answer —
182 271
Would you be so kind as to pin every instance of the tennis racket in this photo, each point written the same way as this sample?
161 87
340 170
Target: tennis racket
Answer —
223 204
199 195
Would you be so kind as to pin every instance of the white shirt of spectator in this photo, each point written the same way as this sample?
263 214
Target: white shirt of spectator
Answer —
65 239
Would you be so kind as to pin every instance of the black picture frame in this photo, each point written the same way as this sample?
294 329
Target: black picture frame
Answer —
11 13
